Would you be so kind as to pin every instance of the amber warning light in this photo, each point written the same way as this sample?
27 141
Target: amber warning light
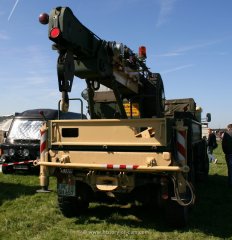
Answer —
142 52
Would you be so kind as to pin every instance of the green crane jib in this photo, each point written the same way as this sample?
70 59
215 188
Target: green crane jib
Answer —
83 54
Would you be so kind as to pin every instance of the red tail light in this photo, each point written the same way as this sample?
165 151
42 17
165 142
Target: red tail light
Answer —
164 188
165 195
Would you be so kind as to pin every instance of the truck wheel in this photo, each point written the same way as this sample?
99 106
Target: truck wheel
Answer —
74 206
176 215
203 166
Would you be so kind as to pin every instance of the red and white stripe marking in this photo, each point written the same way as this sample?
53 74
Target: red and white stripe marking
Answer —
181 145
120 166
43 139
17 163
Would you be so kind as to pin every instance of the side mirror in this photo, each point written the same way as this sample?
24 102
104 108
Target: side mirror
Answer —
208 117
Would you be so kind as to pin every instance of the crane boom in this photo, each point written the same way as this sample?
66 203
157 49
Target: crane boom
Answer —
114 65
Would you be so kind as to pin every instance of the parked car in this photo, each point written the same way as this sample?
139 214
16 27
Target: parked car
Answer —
22 142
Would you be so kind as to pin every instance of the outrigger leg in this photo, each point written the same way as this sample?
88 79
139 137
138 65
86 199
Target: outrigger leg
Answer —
44 174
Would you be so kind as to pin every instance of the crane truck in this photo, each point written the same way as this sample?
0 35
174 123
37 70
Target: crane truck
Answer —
135 146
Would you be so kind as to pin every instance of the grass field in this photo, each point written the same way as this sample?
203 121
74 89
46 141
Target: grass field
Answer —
25 214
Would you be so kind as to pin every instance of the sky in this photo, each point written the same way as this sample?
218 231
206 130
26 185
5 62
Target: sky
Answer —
189 42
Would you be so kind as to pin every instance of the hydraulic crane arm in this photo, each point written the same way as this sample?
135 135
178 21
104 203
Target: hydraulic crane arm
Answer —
99 62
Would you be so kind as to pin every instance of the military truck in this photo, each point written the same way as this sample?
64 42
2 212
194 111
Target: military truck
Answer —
136 146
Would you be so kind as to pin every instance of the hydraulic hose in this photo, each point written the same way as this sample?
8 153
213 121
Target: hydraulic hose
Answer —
177 195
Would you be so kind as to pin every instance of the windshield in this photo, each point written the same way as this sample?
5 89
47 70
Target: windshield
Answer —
25 129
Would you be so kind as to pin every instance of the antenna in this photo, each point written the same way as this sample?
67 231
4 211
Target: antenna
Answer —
12 11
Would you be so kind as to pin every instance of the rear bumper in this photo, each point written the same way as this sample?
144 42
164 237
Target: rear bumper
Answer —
114 167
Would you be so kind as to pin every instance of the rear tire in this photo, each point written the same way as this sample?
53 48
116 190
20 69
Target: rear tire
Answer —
71 206
202 167
176 215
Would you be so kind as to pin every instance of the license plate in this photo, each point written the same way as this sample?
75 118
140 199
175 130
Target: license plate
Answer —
66 171
22 167
66 189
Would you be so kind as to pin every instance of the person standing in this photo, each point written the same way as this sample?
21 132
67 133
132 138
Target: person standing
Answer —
227 149
211 145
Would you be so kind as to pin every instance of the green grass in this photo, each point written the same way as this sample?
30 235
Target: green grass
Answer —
25 214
